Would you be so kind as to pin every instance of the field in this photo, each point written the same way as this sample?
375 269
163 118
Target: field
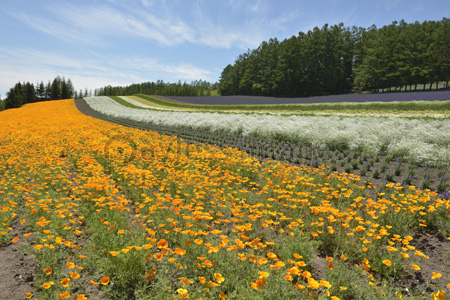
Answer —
364 144
96 210
411 102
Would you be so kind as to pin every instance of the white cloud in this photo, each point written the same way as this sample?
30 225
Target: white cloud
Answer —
100 70
98 24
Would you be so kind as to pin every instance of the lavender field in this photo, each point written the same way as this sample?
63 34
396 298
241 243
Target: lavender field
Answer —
357 98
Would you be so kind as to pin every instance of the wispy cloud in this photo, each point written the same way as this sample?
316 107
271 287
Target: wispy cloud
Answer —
100 70
96 24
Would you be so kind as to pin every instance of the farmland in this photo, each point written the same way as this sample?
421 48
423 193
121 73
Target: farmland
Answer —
103 210
364 145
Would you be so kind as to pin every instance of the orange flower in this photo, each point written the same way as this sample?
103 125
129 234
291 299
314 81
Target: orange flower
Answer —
202 279
48 271
436 275
272 256
387 262
416 267
180 252
64 296
81 297
219 277
263 274
114 253
74 275
105 280
93 282
70 265
65 282
47 285
255 285
278 265
15 240
162 244
29 295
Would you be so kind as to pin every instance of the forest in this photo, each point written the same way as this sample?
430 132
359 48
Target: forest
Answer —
337 59
26 92
195 88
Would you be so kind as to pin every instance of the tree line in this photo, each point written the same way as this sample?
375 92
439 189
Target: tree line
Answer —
26 92
195 88
337 59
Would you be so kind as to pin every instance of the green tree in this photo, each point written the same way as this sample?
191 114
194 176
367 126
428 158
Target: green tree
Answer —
55 92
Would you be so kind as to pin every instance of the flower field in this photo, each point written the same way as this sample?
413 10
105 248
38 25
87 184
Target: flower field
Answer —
113 212
379 148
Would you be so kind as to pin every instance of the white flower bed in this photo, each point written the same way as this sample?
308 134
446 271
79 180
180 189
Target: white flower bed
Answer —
418 139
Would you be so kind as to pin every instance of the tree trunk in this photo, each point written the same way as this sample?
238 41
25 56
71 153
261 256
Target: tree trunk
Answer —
437 85
415 87
431 85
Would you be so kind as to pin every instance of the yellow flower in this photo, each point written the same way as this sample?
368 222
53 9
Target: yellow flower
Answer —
440 295
182 292
263 274
219 277
416 267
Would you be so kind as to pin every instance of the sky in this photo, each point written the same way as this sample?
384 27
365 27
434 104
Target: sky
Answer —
116 42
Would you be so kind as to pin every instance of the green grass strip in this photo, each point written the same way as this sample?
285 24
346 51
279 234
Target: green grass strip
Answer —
124 103
437 106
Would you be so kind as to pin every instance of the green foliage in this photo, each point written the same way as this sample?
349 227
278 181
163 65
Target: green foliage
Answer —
336 59
23 93
195 88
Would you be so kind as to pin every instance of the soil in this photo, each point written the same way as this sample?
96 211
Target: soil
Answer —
437 248
17 269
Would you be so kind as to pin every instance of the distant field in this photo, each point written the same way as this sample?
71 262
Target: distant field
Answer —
359 98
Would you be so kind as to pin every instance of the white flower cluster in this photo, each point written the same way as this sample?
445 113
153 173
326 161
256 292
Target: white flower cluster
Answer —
418 139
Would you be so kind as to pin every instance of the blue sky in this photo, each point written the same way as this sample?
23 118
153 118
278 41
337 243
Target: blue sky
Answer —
118 42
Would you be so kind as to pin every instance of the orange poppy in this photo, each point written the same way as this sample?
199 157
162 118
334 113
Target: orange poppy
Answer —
105 280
